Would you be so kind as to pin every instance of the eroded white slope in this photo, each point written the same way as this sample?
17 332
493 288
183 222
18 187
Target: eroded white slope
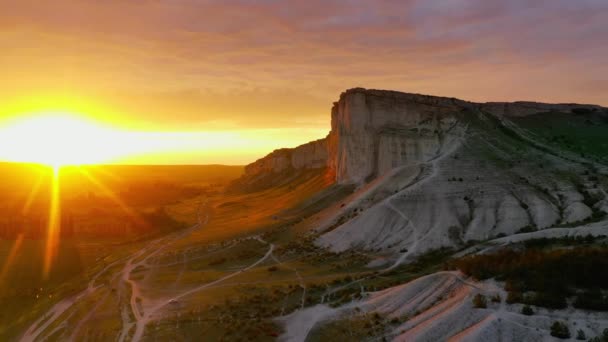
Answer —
439 308
471 193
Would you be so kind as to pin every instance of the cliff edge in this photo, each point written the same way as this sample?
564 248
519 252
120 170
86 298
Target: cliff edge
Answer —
374 131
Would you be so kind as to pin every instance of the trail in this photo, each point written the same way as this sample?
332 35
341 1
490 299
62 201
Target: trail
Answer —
39 326
35 330
136 299
411 248
176 263
427 171
300 280
594 229
148 316
86 318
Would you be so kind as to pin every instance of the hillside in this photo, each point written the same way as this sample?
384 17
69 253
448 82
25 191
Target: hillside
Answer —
417 218
437 172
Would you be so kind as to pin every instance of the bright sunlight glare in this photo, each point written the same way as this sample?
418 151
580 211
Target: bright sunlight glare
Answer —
63 139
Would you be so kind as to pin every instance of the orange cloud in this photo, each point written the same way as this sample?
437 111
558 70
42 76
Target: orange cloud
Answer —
237 64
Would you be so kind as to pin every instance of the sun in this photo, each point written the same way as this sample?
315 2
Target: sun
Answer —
57 139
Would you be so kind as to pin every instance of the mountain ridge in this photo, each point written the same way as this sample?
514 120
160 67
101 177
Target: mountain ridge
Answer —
364 113
432 172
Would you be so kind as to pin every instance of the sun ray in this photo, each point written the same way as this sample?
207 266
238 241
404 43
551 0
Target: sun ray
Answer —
54 224
101 170
108 192
32 195
11 256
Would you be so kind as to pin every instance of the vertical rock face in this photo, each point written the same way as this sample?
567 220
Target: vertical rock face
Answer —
374 131
312 155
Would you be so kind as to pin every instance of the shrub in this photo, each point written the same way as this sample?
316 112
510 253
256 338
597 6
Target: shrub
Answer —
527 310
496 298
514 297
580 335
560 330
592 299
597 215
549 275
479 301
526 229
548 299
602 338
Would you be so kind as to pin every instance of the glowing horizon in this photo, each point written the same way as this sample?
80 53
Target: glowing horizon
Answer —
232 81
59 138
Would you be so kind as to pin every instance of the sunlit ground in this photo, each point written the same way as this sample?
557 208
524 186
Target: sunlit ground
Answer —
71 146
54 216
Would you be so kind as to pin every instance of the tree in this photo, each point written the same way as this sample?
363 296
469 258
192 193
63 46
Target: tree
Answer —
602 338
527 310
496 298
560 330
479 301
580 335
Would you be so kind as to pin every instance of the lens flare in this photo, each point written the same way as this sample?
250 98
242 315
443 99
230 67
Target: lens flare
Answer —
54 224
11 256
110 194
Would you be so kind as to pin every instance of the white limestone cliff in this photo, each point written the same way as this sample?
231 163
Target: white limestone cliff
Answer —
374 131
437 172
312 155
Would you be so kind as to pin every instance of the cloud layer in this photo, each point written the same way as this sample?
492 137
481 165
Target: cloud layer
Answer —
236 64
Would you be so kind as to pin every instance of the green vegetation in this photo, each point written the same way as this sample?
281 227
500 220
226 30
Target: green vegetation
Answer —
580 335
303 247
560 330
357 327
479 301
583 136
159 220
540 243
602 338
592 299
527 310
546 277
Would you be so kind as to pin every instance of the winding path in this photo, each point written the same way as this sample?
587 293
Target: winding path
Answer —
148 316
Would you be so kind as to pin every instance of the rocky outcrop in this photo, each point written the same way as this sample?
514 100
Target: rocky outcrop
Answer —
374 131
312 155
433 172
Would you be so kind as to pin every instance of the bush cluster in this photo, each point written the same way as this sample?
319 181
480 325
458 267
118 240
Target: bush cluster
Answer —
546 277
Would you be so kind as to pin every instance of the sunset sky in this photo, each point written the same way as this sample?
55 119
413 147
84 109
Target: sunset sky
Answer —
228 81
